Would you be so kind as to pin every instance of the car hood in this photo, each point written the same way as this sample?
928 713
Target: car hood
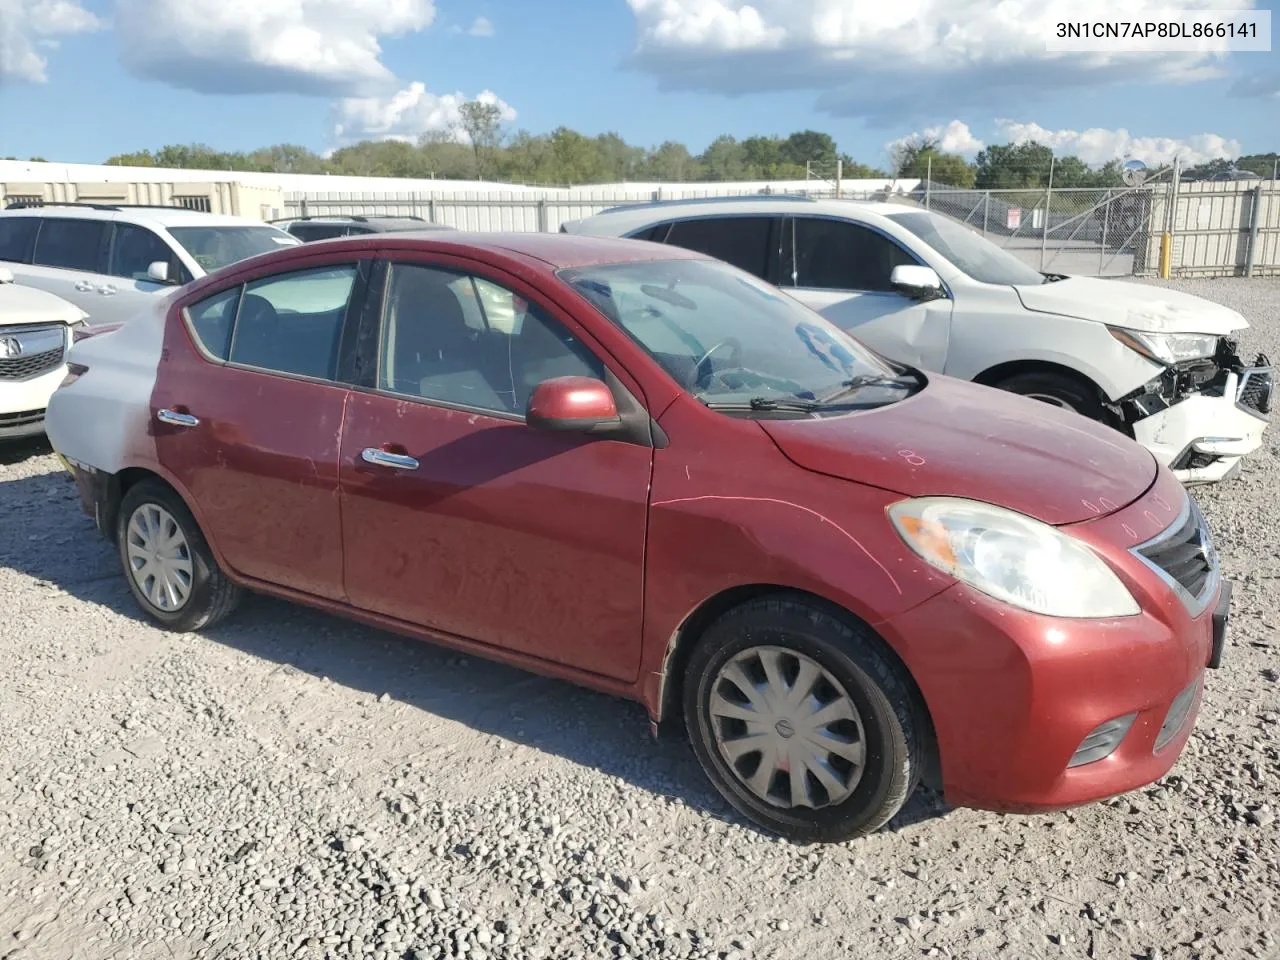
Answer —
959 439
1136 306
22 306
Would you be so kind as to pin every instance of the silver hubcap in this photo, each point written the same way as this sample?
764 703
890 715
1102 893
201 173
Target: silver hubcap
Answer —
159 558
787 728
1054 401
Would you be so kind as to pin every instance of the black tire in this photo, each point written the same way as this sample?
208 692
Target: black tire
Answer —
212 595
1058 389
892 718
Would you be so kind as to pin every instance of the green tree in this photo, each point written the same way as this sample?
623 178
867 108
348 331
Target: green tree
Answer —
810 146
724 159
671 161
921 157
482 122
1013 165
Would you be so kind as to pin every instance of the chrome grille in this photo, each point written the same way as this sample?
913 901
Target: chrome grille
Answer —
1184 557
28 352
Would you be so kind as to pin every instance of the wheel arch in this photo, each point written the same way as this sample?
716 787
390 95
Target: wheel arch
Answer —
1003 371
666 710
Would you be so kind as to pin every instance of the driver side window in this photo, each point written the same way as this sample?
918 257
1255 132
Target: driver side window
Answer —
821 254
461 339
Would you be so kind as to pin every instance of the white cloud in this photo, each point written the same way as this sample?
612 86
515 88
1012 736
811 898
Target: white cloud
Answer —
407 115
886 60
482 27
26 25
1096 145
264 46
955 137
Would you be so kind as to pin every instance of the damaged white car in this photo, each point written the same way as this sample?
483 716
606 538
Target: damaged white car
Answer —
924 290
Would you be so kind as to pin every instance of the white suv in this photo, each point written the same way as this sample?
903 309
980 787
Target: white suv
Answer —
111 259
925 290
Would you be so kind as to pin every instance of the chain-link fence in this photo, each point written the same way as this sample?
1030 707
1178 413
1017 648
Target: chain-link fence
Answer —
1074 230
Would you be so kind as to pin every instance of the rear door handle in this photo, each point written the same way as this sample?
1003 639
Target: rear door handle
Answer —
84 286
177 418
107 289
400 461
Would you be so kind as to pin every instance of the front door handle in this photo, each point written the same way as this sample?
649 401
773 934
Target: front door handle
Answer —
382 458
107 289
84 286
177 418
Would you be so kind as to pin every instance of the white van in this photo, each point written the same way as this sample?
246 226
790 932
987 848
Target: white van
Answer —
111 259
925 290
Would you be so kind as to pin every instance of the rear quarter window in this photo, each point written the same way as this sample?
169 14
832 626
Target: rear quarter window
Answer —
17 237
211 321
71 244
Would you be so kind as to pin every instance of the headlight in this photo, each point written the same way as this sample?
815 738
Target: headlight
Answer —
1012 557
1167 348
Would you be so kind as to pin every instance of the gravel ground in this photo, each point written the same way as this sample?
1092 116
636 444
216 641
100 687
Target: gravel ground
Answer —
291 785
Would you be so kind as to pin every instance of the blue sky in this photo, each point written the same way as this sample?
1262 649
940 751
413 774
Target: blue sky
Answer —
97 77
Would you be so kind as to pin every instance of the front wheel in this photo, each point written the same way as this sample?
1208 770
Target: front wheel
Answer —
802 720
1058 390
170 569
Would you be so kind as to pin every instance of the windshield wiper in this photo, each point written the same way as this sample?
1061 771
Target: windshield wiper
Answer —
786 404
866 380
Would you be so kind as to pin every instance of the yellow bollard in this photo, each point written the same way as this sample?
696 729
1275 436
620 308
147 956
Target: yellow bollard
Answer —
1166 254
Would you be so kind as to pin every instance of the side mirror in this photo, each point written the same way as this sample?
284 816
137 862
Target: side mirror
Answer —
158 270
921 283
577 404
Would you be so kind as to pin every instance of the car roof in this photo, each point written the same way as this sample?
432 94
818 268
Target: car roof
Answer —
558 250
376 224
635 216
151 216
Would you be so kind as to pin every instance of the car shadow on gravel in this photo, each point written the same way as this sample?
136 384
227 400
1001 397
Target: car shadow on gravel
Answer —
28 448
45 535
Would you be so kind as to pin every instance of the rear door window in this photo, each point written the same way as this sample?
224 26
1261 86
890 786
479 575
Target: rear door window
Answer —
71 244
291 323
741 241
17 235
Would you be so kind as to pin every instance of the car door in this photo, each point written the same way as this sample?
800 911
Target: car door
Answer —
842 269
68 260
459 517
132 250
247 412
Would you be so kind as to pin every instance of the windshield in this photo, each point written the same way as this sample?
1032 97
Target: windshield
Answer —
725 336
216 247
972 253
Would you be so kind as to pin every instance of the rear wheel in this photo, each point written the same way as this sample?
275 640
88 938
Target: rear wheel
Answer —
802 720
1059 390
167 562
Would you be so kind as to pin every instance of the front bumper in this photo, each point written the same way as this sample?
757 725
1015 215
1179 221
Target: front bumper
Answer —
1200 418
1015 697
23 402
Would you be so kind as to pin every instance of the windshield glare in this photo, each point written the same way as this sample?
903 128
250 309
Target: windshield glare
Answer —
216 247
972 253
723 335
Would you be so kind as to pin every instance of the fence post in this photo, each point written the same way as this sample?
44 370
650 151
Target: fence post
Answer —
542 216
304 208
986 207
928 179
1102 247
839 174
1255 215
431 209
1048 202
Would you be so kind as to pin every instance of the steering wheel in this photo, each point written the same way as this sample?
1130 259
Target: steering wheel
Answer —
736 356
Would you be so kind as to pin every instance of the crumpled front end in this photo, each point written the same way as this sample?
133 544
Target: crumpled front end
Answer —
1200 417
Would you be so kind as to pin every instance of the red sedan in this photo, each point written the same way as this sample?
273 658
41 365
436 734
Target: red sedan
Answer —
643 470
